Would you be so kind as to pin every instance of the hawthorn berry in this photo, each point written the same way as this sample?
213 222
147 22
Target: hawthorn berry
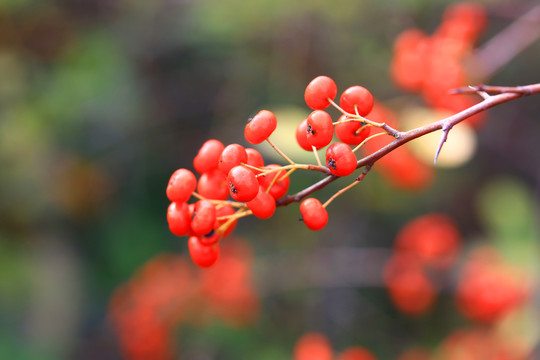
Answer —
213 185
301 135
340 159
314 215
225 210
207 158
204 217
181 185
318 91
356 98
313 346
254 158
232 156
243 185
263 205
260 127
280 186
178 218
349 132
201 254
320 129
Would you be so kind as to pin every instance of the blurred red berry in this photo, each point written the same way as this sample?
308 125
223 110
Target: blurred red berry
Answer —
201 254
213 185
263 205
178 218
356 353
254 158
313 346
204 217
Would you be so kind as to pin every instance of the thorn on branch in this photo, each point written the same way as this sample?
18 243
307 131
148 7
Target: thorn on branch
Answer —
445 130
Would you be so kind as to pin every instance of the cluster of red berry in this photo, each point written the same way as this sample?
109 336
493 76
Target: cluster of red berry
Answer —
314 345
431 65
240 173
167 292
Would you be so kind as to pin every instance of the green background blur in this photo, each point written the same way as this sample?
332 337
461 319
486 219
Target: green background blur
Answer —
101 100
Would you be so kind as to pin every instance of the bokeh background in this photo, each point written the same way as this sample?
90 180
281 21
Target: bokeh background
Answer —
101 100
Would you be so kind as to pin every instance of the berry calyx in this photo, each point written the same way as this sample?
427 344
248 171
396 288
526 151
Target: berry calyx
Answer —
260 127
314 215
340 159
204 217
201 254
207 158
356 99
233 155
243 185
320 129
301 135
349 132
181 185
318 91
263 205
178 218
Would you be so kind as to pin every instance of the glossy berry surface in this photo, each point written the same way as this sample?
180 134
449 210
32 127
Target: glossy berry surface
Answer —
356 98
204 217
201 254
340 159
263 205
318 91
181 184
280 186
208 156
233 155
213 185
243 185
260 127
349 132
178 218
254 158
314 215
320 129
301 135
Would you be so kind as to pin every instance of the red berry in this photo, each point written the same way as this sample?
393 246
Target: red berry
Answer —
181 185
318 91
213 185
260 127
263 205
320 129
208 157
178 218
301 136
356 353
356 97
204 217
280 186
314 215
340 159
225 211
313 346
243 185
254 158
211 238
349 132
203 255
232 156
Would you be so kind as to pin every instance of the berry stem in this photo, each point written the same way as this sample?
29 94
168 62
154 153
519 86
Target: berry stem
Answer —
219 202
280 152
367 139
356 181
316 155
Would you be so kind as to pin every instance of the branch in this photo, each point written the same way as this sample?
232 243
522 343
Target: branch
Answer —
503 94
515 38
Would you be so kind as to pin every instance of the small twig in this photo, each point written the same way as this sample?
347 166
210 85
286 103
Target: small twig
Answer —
316 155
356 182
280 152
